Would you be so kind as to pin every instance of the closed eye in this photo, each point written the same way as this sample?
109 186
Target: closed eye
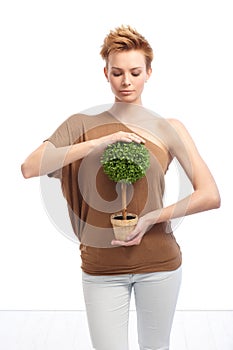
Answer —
119 74
116 74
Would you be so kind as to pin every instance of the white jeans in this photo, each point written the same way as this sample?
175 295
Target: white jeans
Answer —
107 301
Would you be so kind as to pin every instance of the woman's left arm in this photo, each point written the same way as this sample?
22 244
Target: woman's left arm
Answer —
205 195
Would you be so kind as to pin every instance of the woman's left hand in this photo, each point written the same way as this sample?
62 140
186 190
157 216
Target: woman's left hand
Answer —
136 235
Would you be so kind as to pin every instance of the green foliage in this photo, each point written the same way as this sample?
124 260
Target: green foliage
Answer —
125 161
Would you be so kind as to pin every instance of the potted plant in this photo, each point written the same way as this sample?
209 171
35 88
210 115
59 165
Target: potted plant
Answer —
125 162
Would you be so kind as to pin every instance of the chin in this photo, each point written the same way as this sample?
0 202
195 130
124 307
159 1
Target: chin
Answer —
127 99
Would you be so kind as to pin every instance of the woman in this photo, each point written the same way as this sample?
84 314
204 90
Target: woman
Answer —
149 261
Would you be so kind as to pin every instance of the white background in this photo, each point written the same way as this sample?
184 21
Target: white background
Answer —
50 69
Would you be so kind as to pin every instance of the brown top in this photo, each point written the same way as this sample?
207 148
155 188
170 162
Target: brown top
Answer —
92 197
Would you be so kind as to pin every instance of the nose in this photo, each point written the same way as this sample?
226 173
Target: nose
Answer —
126 80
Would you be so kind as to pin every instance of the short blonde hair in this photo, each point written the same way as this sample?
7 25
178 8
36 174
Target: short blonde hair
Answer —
125 38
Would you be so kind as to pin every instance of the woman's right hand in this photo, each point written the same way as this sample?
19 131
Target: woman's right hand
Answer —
120 136
47 158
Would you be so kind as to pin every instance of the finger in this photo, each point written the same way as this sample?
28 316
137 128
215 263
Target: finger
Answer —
132 235
129 137
121 243
118 243
136 241
136 138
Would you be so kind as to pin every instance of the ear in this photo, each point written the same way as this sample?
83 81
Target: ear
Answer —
148 73
106 73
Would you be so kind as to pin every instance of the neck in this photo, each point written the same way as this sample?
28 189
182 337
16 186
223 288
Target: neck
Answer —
126 112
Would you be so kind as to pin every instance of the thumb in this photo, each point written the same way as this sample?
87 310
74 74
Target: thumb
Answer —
133 234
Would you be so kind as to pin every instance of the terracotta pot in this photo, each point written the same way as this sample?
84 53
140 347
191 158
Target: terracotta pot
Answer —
122 228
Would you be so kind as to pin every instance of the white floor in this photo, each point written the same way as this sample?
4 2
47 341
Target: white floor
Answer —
67 330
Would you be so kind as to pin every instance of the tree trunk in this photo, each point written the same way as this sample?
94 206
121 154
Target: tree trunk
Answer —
123 197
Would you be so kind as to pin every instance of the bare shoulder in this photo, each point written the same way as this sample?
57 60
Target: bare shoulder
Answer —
184 135
179 127
176 123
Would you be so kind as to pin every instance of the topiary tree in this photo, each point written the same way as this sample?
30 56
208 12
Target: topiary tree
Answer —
125 162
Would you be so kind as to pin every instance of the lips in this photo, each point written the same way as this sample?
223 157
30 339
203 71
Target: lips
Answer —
126 91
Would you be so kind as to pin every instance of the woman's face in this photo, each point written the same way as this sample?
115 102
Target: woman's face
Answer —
127 74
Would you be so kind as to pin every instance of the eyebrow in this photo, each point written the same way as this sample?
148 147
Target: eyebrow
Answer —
130 69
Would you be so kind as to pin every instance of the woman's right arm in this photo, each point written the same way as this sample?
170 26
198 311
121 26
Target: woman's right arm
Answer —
47 158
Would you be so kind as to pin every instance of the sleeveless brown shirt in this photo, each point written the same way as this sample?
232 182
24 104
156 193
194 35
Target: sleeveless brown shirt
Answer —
92 197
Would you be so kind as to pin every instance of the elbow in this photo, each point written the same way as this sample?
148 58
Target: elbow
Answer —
26 171
214 201
208 200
